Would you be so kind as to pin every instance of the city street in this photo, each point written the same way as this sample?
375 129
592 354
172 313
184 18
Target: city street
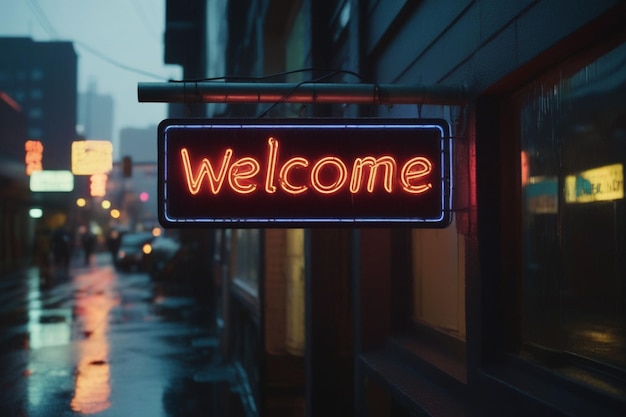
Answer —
94 341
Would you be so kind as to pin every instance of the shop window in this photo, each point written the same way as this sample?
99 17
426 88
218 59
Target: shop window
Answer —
439 280
294 271
35 132
572 132
295 47
35 113
340 19
246 246
36 74
36 94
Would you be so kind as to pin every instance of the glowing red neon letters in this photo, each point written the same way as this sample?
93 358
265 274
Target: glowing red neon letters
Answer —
242 175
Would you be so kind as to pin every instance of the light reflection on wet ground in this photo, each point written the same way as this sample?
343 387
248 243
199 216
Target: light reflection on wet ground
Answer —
101 343
94 297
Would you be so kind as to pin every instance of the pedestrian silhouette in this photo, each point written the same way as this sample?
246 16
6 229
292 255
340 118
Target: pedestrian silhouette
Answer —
43 250
89 243
61 245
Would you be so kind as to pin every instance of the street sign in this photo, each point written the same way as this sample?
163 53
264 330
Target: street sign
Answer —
304 172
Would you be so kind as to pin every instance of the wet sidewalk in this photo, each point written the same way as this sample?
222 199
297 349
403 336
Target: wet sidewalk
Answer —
97 342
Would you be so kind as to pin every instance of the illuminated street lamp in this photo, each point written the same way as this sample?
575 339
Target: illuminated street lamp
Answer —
35 213
106 204
81 202
115 213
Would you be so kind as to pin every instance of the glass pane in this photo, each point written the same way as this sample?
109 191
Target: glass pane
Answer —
248 258
572 127
439 279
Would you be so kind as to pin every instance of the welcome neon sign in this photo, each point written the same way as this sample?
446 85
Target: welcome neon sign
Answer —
304 172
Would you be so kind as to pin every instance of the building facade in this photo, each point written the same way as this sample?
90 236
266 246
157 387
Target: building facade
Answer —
139 144
95 115
38 84
516 308
15 200
42 79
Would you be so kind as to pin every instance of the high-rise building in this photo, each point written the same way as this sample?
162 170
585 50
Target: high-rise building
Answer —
95 114
42 78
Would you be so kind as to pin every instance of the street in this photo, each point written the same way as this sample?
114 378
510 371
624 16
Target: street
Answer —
94 341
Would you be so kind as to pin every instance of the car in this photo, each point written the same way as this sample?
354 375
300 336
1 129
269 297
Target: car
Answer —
163 257
132 251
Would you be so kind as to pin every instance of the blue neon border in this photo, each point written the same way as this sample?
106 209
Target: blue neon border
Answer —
446 177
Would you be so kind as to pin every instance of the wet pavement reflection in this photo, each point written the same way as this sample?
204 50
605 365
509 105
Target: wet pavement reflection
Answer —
92 341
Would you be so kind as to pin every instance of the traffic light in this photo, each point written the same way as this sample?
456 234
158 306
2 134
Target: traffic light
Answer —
127 166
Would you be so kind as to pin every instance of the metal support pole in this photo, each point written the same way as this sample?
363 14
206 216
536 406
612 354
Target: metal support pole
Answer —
235 92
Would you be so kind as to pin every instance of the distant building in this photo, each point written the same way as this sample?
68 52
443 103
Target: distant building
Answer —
95 115
139 144
42 77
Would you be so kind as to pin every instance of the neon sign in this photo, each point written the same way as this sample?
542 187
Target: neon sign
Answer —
51 181
98 185
290 172
91 157
34 155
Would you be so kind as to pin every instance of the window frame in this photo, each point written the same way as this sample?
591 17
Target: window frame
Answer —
495 313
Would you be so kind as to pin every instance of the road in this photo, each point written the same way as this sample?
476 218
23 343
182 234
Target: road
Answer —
94 341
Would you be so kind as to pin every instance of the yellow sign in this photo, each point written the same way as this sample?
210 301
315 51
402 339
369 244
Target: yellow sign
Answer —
91 157
599 184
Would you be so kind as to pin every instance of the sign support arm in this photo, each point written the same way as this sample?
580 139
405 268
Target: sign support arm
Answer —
243 92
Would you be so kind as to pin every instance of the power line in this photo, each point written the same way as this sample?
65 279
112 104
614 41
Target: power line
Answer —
43 19
117 63
147 23
49 28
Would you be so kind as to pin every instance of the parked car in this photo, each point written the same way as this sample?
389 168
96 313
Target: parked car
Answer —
163 257
132 251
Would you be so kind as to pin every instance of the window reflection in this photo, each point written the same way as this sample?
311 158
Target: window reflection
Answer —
572 129
246 246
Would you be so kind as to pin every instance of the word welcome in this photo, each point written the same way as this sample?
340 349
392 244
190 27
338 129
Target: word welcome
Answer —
326 175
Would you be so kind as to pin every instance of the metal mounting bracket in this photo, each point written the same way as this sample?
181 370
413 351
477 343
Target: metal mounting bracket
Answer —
246 92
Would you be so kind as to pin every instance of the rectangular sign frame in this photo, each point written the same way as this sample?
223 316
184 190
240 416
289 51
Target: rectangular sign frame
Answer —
364 172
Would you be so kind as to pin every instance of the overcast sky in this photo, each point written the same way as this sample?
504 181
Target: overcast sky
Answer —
118 42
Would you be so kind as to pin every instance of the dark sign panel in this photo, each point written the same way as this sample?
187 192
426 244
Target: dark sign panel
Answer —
304 172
